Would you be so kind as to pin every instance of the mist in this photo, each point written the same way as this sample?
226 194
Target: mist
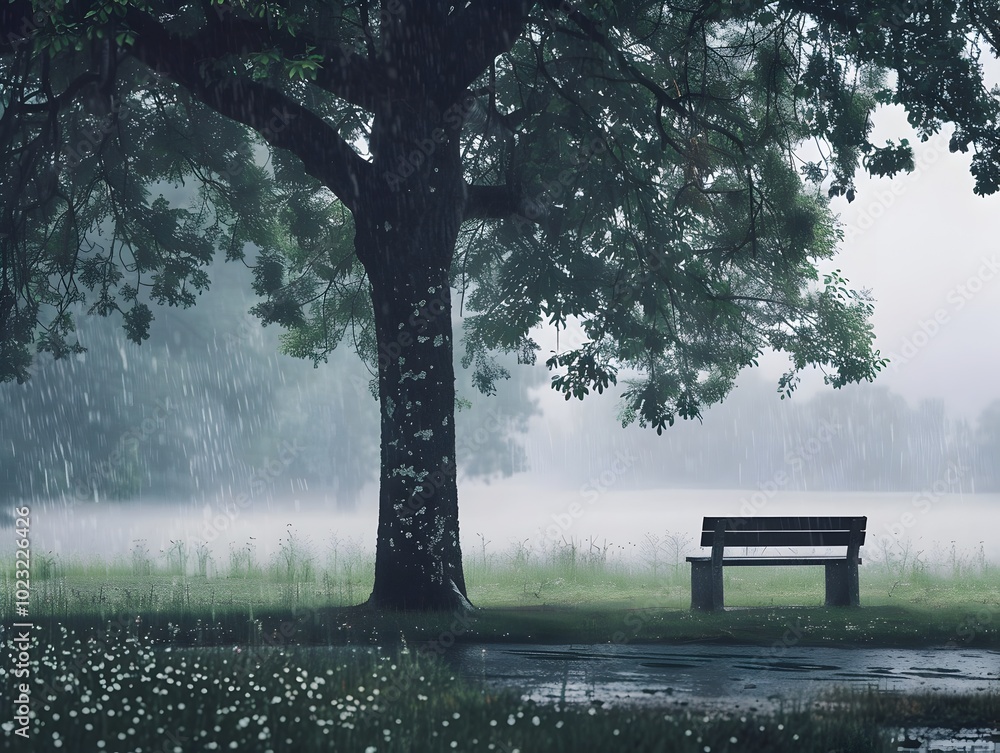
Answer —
131 446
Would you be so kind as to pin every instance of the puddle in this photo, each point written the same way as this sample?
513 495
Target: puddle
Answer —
709 676
736 678
706 678
934 740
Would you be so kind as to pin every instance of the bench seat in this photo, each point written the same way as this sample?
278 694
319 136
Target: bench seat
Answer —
772 561
779 532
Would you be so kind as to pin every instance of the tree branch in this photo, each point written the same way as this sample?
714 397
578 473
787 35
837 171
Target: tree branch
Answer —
483 31
492 203
279 119
344 73
593 32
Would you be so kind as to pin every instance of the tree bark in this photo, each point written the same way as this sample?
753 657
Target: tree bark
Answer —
407 222
408 204
407 225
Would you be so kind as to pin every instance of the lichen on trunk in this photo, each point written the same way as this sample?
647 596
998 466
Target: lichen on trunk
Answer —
406 234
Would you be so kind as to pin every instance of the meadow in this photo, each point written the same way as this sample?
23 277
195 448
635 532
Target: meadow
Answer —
188 650
579 592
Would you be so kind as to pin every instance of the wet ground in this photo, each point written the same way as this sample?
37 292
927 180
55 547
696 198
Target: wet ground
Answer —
740 678
707 676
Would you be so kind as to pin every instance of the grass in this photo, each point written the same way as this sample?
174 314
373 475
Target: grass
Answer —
118 692
572 593
180 653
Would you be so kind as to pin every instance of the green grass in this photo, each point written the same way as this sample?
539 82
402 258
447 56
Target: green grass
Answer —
192 657
116 692
559 596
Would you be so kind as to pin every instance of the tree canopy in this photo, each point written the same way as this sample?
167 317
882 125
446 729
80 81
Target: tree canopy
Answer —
632 166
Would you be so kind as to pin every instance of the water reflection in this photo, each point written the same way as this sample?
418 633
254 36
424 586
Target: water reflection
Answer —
731 677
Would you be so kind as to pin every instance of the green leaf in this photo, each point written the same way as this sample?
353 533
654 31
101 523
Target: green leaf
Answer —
136 322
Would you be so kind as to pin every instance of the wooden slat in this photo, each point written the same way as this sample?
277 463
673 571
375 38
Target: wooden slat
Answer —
786 523
773 561
782 538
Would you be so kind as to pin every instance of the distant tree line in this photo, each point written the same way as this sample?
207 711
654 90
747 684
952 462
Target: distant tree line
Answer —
197 411
861 438
202 410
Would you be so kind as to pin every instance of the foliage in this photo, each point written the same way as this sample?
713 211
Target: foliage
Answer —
218 406
667 218
630 166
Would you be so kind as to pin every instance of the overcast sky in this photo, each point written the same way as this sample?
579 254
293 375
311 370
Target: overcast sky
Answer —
928 248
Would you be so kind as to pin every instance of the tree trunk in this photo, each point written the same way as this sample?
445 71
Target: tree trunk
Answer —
406 233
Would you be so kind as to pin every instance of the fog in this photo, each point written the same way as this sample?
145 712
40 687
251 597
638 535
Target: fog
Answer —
524 515
926 246
130 443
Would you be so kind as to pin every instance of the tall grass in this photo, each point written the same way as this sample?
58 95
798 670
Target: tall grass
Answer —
577 589
152 680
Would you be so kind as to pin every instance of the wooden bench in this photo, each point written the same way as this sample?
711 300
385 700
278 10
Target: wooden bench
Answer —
766 532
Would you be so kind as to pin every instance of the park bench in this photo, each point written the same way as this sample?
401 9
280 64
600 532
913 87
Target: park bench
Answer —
767 532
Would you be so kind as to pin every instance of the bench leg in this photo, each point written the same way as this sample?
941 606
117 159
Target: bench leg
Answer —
717 587
702 586
842 585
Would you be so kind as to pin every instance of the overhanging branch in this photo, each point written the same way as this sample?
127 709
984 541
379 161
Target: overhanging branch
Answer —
343 72
282 121
499 203
485 30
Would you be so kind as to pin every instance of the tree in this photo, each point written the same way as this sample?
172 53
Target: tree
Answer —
987 442
628 165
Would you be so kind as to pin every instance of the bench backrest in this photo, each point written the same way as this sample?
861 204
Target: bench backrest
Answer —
785 531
